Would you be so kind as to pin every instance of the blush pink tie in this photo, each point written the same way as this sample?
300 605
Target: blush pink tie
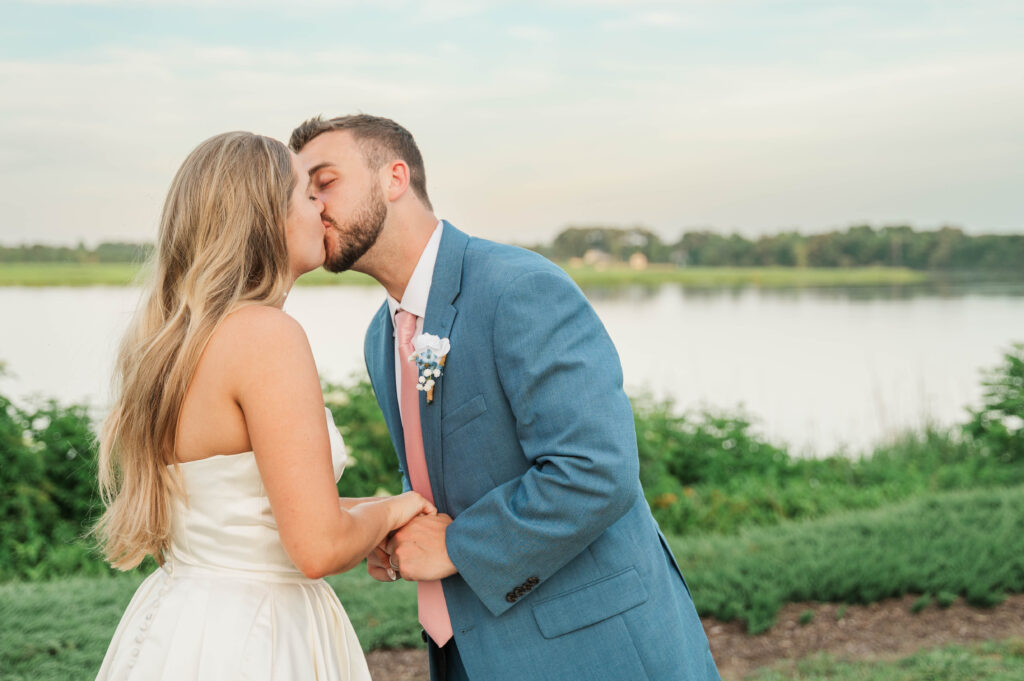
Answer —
433 609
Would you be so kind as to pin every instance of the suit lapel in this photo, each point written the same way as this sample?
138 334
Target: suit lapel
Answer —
381 365
440 316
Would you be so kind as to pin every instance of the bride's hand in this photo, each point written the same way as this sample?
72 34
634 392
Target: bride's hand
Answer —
378 564
407 506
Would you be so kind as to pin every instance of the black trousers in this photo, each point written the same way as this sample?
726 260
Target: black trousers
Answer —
445 661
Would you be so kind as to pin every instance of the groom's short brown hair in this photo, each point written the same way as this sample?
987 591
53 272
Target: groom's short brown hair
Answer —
380 139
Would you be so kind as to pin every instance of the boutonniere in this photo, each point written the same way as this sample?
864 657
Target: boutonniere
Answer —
431 353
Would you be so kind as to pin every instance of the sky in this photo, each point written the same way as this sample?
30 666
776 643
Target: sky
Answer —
733 115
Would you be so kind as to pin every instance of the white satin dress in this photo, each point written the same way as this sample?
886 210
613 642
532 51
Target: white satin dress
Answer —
229 604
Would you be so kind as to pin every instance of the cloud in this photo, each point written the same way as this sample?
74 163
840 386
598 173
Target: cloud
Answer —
522 134
649 19
533 34
198 3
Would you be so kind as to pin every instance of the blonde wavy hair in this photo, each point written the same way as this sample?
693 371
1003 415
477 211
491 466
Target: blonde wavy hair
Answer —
221 245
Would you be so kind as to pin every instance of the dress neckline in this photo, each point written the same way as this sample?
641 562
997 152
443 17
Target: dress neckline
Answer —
213 456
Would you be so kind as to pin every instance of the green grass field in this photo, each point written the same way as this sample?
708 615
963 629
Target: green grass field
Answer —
67 274
991 661
124 274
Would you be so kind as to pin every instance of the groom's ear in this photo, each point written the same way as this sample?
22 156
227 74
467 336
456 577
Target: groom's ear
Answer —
396 179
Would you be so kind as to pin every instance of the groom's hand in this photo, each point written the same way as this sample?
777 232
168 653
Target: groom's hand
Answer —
419 551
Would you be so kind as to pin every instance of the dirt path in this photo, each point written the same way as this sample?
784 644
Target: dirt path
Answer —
886 629
883 630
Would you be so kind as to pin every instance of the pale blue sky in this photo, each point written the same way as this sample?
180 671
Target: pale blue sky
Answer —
750 116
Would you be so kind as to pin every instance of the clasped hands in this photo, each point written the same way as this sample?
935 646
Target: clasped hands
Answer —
416 552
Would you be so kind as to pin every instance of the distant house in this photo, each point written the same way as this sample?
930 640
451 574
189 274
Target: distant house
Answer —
595 257
638 261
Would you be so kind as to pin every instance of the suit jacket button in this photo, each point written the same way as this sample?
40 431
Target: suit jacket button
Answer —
519 591
511 597
532 582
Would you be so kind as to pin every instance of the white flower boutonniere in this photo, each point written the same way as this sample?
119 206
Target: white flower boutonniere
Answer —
431 353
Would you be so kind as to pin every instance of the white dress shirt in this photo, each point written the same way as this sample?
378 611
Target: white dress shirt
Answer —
414 300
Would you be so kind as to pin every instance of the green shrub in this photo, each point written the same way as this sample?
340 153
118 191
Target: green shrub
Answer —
921 603
373 466
969 543
700 447
784 488
27 513
68 450
945 599
47 491
998 425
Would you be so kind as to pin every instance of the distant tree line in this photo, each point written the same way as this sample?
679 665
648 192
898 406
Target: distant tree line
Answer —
108 251
947 248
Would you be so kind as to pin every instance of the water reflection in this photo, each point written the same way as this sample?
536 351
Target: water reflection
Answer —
941 288
819 369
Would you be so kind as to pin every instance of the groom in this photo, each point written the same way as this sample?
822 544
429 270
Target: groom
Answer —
544 561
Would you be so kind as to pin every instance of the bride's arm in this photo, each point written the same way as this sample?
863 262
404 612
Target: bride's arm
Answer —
348 503
277 387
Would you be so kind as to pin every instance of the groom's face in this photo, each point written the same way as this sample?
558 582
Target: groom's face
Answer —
354 205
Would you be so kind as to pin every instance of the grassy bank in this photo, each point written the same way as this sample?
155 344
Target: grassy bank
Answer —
734 277
124 274
67 274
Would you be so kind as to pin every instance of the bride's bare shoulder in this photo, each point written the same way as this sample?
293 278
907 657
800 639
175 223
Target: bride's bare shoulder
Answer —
258 336
260 327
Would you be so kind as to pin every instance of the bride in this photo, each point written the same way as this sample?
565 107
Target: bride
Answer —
218 458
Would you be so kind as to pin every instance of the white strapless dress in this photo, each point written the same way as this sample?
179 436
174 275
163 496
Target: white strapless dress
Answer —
229 603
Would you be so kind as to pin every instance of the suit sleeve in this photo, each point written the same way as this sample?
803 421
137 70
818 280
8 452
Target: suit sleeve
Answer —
562 377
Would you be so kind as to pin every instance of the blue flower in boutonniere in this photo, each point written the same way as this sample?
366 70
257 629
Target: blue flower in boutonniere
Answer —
431 353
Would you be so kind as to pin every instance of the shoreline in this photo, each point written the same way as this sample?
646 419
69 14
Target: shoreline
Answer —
128 274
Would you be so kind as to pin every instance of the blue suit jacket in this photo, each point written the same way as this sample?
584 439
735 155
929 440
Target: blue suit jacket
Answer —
531 448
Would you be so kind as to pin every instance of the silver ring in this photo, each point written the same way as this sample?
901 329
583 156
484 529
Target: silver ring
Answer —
391 561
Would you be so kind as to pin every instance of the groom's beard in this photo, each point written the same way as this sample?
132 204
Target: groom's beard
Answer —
345 244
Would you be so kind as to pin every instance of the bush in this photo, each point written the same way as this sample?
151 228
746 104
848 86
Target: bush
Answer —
921 603
373 466
767 486
999 424
702 472
47 491
969 543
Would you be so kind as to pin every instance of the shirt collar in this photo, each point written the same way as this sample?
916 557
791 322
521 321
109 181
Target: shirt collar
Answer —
414 299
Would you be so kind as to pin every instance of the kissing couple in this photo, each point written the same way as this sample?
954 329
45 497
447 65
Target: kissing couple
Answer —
523 522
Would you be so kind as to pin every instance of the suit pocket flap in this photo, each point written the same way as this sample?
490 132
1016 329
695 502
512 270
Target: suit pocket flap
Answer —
590 604
463 414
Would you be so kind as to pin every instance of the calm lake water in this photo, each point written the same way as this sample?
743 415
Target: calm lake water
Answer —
818 370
